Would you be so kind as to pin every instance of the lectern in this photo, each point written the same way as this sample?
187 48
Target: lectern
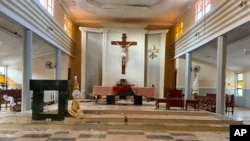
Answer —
38 87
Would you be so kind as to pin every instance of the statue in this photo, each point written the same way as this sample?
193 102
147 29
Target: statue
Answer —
195 88
124 45
75 109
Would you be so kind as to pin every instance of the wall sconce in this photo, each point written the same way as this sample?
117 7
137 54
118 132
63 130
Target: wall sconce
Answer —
152 52
243 3
49 28
197 34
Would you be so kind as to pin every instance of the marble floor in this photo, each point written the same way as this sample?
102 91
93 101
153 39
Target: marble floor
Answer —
73 134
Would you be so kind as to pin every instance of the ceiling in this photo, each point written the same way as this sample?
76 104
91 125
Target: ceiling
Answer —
150 12
162 13
11 42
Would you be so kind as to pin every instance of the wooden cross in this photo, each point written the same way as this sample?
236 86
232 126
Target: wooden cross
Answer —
124 44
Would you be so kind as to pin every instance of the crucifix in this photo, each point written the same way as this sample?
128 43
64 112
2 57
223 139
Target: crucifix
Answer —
124 45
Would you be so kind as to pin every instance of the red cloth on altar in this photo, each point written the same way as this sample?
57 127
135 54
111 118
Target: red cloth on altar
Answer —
118 89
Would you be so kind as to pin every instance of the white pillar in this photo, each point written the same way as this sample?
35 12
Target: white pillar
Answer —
188 74
220 76
27 70
84 31
104 57
58 63
58 69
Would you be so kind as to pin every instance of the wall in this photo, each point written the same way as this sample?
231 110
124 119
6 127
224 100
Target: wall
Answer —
94 61
207 77
189 16
39 71
207 81
245 99
153 64
135 55
111 56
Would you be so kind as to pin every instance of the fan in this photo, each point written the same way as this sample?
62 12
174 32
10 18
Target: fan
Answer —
49 65
196 69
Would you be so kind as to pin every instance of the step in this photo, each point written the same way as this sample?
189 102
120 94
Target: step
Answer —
136 120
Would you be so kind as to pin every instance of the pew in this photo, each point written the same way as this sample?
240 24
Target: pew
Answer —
208 102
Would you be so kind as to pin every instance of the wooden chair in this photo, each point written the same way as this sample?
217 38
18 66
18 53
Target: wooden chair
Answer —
2 101
175 99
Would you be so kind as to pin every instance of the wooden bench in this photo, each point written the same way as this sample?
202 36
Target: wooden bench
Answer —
158 101
193 103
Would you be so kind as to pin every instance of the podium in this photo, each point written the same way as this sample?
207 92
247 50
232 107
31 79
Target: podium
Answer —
38 87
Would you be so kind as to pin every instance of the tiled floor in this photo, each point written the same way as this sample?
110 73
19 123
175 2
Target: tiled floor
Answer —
66 134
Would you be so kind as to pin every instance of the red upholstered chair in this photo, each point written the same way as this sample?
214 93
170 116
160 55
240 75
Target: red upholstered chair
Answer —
175 99
230 103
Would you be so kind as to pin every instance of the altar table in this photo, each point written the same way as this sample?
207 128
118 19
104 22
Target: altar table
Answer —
111 91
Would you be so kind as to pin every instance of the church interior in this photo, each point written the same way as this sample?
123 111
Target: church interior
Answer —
73 70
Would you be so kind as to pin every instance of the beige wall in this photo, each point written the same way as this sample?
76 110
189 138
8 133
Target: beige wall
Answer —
188 17
59 13
39 70
247 79
207 74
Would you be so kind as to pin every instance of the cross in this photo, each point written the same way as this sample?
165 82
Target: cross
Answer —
124 45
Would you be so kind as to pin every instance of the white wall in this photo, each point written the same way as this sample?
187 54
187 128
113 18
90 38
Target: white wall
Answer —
207 77
135 63
38 70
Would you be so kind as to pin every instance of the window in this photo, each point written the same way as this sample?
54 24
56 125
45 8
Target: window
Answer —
49 5
2 74
68 25
240 84
207 6
202 8
178 30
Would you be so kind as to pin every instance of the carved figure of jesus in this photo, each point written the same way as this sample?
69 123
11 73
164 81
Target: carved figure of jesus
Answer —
195 84
124 54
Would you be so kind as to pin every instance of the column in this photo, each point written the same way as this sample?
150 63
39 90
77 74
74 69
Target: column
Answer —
27 70
104 57
162 61
84 33
188 74
83 61
58 69
220 76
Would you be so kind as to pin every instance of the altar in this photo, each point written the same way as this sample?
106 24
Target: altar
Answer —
111 91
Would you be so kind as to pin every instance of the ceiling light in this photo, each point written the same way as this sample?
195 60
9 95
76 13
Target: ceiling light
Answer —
246 51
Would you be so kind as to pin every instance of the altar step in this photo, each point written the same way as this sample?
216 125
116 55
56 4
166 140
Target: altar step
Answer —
127 120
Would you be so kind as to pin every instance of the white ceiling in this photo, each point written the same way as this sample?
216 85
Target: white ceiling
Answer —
163 13
151 12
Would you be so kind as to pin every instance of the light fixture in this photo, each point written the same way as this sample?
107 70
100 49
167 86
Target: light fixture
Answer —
243 3
49 28
152 52
246 51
